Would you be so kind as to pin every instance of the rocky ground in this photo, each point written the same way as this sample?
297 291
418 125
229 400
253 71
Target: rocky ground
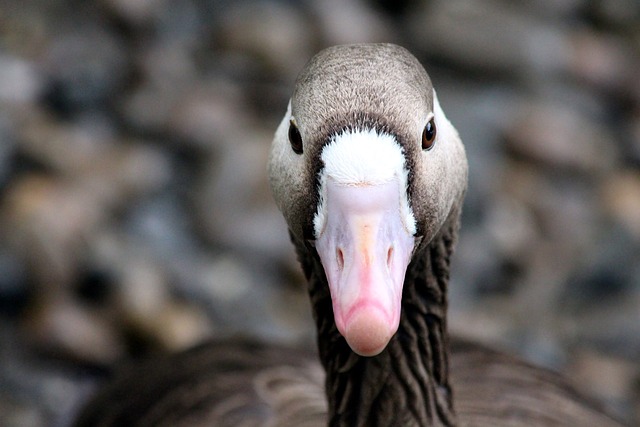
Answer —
135 215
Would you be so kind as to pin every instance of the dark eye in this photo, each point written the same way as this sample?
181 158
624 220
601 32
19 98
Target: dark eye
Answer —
429 135
294 138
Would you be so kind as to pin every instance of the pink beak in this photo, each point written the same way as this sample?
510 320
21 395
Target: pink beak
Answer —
365 249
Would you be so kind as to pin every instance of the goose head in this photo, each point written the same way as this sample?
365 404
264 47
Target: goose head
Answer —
366 170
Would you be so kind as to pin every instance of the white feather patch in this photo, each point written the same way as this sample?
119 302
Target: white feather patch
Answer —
363 158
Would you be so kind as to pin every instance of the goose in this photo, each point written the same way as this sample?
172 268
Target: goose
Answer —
370 177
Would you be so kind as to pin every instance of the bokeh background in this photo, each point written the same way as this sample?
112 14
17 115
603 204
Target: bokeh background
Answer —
135 215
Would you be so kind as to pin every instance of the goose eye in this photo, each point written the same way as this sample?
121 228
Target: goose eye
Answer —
429 135
295 139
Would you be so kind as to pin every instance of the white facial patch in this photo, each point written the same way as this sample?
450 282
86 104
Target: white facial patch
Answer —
364 158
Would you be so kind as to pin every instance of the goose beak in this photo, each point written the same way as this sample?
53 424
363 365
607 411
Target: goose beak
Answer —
365 249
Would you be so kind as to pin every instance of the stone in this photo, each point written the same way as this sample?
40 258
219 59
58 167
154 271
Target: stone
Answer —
135 12
20 83
620 14
17 414
14 291
62 327
89 154
203 116
63 147
146 307
35 392
608 378
511 224
559 137
275 33
180 326
552 10
620 195
234 203
466 34
632 136
84 67
351 21
605 61
47 223
7 148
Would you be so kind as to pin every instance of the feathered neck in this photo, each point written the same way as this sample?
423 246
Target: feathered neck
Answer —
408 383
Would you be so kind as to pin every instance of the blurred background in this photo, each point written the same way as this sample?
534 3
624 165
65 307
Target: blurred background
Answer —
135 215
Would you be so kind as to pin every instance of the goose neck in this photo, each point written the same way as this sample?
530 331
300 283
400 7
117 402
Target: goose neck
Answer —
408 383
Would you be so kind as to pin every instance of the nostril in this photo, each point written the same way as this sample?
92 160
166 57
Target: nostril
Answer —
340 258
389 256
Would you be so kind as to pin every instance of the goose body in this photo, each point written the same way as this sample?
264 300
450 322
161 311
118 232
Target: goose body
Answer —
370 177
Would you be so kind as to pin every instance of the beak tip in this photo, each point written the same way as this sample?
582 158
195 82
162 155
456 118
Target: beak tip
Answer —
368 332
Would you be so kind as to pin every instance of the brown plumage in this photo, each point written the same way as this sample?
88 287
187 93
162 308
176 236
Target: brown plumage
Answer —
243 383
495 389
226 384
412 377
